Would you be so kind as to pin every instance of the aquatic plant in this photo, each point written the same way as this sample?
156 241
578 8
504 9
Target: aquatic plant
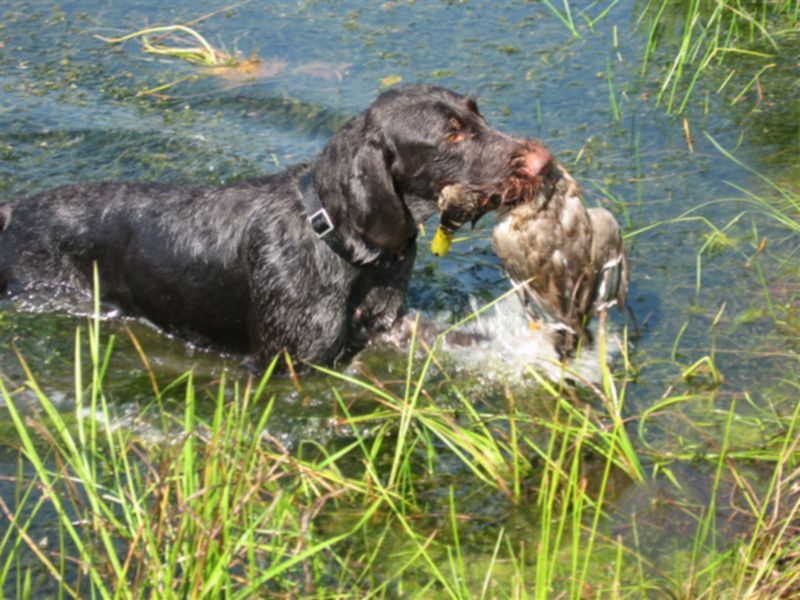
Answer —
200 53
707 33
194 49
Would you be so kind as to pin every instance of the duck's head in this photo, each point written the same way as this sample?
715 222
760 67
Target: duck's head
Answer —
526 180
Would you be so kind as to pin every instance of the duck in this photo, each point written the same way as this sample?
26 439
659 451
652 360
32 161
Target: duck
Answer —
567 262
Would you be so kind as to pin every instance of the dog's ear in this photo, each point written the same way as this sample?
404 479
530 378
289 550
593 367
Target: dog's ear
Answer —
376 210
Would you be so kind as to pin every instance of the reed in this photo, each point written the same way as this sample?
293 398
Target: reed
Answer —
565 17
219 507
699 36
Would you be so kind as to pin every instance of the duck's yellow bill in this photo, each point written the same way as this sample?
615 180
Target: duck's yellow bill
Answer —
441 242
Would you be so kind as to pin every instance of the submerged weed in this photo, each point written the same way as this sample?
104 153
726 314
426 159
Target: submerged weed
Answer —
184 43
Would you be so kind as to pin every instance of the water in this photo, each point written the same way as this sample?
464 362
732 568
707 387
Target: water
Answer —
68 112
510 348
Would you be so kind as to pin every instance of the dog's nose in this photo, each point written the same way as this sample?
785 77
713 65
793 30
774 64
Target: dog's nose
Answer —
535 160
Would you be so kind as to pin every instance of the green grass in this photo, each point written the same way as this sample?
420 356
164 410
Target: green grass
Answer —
690 44
702 36
197 50
565 17
216 506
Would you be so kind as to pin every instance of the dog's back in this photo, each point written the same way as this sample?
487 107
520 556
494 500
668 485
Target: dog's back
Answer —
169 254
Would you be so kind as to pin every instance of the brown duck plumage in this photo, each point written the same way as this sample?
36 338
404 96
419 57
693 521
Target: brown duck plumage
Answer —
567 261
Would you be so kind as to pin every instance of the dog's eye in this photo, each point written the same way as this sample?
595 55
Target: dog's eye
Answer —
455 134
454 138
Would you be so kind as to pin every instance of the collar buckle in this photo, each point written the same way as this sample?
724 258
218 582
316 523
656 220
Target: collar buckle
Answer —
321 223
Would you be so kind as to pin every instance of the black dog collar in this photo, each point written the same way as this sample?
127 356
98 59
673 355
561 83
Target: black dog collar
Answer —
322 225
318 217
321 222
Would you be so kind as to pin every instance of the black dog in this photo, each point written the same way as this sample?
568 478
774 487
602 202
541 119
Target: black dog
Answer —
314 260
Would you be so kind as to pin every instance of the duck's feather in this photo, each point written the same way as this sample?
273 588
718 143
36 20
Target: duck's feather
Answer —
568 262
545 250
609 261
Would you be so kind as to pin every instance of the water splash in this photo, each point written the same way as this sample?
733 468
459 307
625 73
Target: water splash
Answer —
509 349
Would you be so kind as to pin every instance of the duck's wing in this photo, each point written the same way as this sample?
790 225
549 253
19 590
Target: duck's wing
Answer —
609 261
521 242
545 253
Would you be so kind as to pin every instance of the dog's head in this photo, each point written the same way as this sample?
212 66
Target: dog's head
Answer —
384 172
